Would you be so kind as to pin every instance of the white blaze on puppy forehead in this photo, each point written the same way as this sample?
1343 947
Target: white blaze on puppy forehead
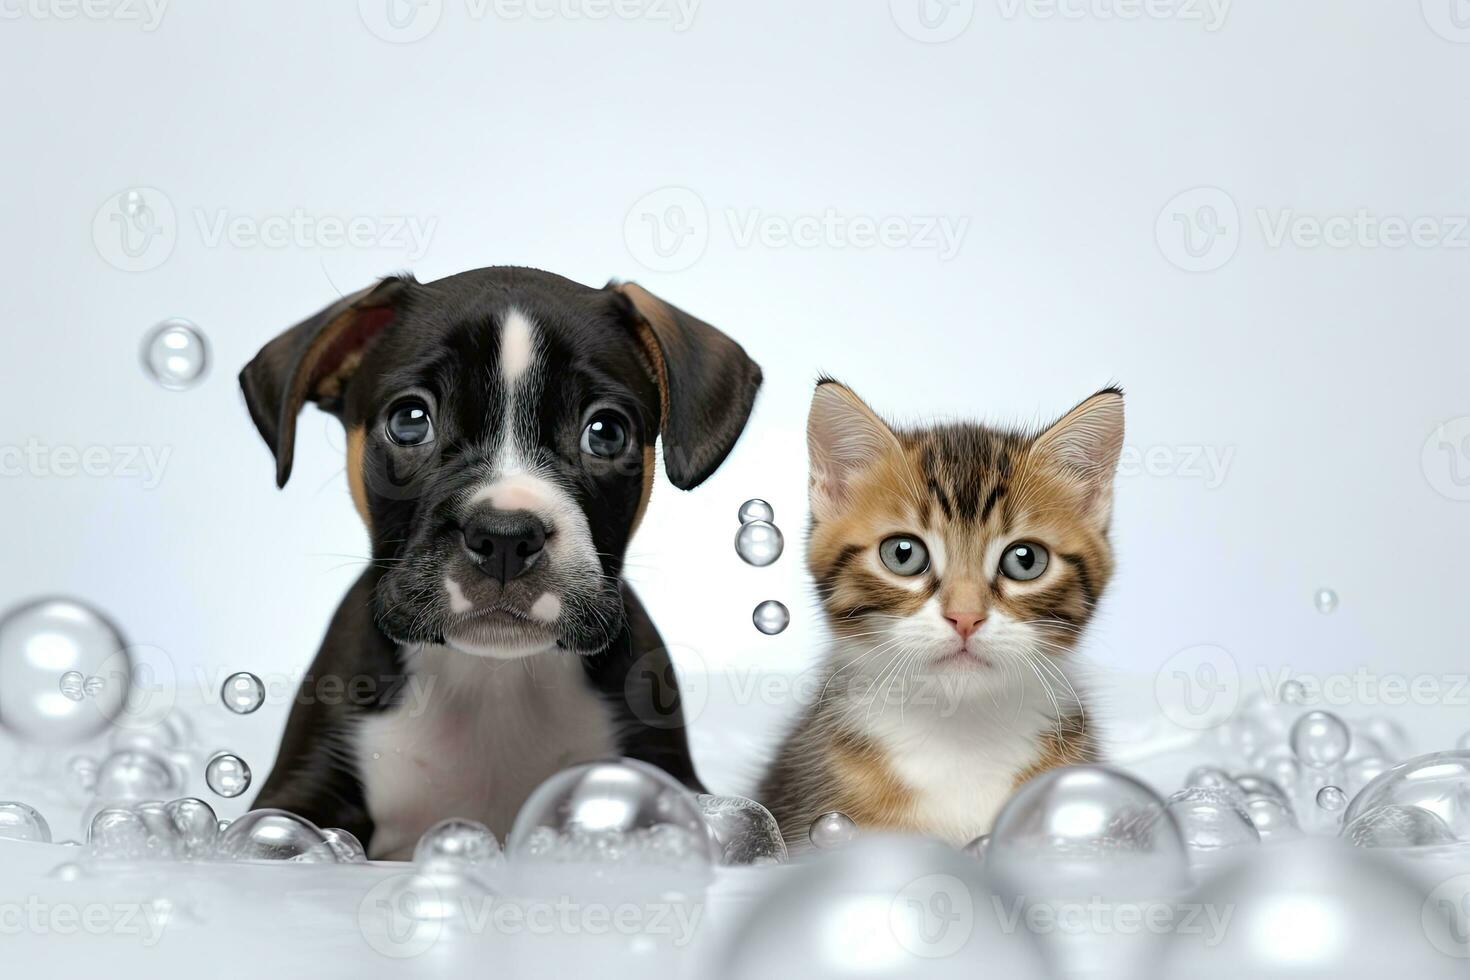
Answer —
517 346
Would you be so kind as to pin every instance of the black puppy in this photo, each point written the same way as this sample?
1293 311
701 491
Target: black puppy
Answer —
500 447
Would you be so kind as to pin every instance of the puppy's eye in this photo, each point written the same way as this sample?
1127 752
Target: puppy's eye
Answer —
409 423
606 436
1024 561
904 555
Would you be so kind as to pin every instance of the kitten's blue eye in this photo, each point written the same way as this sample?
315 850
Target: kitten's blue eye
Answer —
904 555
409 424
1024 561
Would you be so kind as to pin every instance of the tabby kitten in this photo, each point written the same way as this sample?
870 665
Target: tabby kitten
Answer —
957 566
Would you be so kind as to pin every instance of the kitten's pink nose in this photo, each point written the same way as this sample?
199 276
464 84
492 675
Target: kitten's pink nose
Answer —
965 624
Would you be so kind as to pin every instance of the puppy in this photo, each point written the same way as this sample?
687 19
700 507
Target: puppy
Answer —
500 448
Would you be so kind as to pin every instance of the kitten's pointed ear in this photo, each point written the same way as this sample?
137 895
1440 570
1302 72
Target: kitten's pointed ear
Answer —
313 361
1086 443
843 436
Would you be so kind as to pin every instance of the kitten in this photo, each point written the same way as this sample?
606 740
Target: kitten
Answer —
957 566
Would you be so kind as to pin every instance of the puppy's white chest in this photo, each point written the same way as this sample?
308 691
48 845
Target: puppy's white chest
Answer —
472 738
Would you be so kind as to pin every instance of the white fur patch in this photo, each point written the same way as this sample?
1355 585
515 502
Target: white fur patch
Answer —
457 601
474 742
517 346
547 608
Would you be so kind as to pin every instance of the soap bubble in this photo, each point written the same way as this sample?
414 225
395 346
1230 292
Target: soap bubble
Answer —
1360 772
613 812
1438 782
1273 819
1397 826
345 845
1331 798
1212 819
134 775
756 509
46 640
1292 692
1255 786
1072 827
1315 909
21 822
196 826
1325 600
175 354
242 693
73 685
1319 738
884 908
118 832
456 845
275 835
978 847
227 774
745 831
1210 777
93 686
771 617
759 543
832 830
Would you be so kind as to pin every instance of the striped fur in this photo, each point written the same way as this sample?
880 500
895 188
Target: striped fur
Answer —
919 728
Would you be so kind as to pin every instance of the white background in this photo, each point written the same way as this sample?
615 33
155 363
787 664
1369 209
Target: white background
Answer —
1059 143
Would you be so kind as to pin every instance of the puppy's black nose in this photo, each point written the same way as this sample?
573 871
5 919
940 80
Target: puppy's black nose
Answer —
504 543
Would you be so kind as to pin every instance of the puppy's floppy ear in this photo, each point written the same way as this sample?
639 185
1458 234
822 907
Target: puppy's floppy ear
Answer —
313 361
706 382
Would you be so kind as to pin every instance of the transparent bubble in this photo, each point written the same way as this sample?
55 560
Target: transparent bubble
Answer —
21 822
1331 798
771 617
227 774
745 831
1314 909
1256 786
46 640
135 775
756 509
73 685
832 830
118 832
1438 782
242 693
1325 600
1292 692
759 543
1319 738
1360 772
1209 777
175 354
93 686
274 835
345 845
1084 827
456 844
441 896
618 812
883 908
195 825
978 847
1397 826
1212 819
1281 768
1273 819
1244 735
